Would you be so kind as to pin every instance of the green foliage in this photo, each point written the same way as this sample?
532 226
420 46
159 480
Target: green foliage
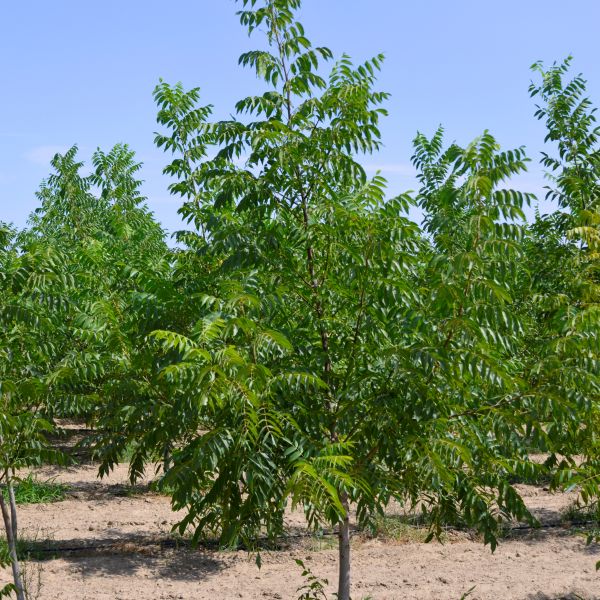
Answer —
308 344
570 321
468 593
6 590
70 292
116 256
30 311
571 123
22 550
313 587
33 491
402 529
566 305
328 351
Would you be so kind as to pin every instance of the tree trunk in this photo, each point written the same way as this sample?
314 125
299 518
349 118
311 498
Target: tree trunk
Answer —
10 524
13 510
166 458
344 552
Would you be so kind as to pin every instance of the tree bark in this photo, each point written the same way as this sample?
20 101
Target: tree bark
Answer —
344 552
13 510
10 524
166 459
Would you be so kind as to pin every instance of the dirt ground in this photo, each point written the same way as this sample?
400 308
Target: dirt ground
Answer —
128 558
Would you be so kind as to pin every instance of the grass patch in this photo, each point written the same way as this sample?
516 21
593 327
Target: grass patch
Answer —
400 528
158 486
26 550
33 491
576 513
318 541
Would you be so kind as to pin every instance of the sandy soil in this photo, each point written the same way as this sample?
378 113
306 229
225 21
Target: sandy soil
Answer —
131 563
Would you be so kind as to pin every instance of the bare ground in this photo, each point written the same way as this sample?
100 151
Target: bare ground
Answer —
131 555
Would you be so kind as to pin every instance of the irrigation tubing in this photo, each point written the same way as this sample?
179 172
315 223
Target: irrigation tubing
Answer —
169 543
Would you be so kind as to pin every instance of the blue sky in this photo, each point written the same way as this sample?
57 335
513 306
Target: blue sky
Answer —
83 72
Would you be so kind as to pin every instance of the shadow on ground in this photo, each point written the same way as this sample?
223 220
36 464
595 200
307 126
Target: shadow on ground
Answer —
146 563
569 596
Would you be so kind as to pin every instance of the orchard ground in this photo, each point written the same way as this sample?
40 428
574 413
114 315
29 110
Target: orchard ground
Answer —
107 540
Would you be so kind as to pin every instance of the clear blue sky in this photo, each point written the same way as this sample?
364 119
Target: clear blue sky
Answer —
82 72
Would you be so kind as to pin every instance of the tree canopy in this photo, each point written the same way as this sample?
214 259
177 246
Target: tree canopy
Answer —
306 343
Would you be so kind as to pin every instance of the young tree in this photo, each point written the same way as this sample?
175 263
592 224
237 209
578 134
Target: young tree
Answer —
333 354
69 287
114 251
31 305
563 255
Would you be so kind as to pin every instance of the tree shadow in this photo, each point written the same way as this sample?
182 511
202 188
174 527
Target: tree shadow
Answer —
592 549
173 565
535 535
164 558
548 516
93 489
69 442
568 596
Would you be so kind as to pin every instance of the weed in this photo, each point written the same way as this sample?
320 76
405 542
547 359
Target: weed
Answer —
33 491
159 486
400 528
313 587
31 553
577 513
26 550
321 541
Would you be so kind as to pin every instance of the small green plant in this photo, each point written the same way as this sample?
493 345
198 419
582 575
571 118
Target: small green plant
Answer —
160 486
22 551
29 554
33 491
581 513
320 541
313 587
30 549
6 590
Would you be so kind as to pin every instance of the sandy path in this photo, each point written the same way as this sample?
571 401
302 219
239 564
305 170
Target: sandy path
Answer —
548 565
95 509
542 569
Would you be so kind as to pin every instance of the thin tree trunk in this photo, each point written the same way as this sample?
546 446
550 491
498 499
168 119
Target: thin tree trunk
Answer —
10 524
166 459
344 551
13 510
